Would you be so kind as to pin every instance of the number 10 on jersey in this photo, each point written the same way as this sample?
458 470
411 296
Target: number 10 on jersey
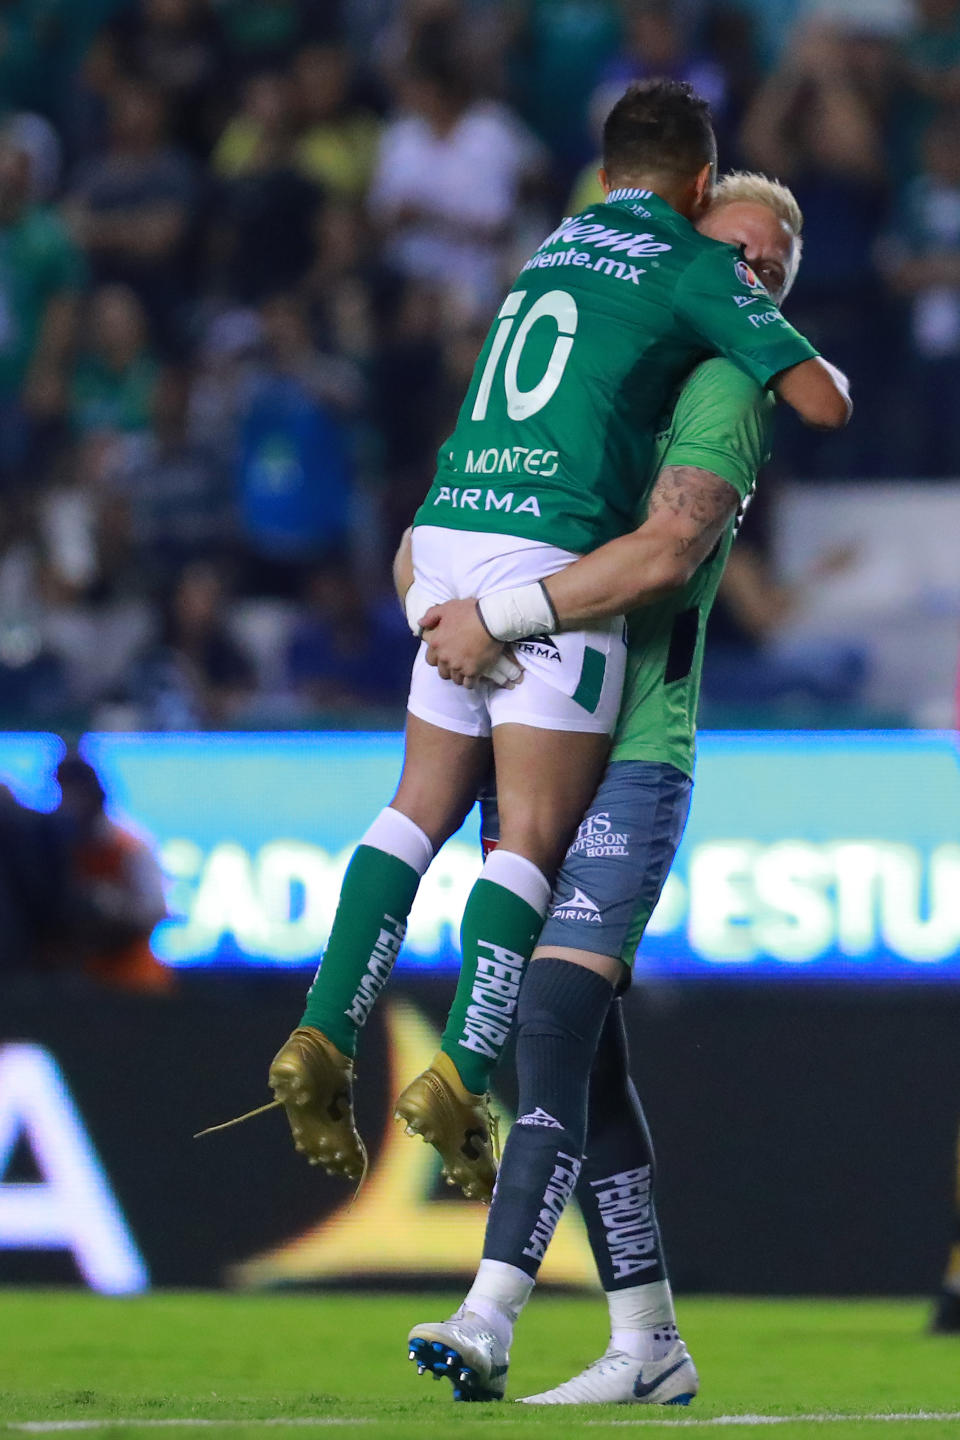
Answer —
556 305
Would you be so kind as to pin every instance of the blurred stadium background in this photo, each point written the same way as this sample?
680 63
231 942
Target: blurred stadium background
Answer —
237 315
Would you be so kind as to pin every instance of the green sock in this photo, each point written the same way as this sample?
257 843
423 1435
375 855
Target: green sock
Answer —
486 1000
368 930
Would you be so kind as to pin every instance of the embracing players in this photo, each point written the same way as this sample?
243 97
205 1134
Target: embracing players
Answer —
714 440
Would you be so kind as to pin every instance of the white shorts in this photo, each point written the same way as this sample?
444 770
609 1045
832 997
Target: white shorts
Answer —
572 681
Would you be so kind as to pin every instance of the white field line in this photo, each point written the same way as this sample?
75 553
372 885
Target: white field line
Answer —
825 1419
49 1427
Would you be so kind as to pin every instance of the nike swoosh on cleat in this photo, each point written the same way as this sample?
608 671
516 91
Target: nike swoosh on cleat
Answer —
641 1388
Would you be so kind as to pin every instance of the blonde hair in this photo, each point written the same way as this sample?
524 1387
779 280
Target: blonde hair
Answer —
751 188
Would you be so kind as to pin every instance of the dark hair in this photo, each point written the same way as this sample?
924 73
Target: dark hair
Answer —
658 127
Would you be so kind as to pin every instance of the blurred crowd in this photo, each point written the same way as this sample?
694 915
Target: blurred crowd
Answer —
248 252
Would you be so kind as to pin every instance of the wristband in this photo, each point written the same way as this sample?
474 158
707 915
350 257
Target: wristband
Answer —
515 614
415 605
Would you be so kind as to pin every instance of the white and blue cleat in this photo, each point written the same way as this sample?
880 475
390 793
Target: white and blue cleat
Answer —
463 1350
619 1379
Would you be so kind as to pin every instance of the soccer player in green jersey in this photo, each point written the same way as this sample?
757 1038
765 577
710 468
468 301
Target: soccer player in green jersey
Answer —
581 1129
545 464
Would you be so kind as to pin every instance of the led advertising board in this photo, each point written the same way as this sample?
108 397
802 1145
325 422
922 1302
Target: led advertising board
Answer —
828 856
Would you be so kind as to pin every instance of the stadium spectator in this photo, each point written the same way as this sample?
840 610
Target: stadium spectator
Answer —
345 284
268 209
929 76
261 33
115 890
262 123
818 123
116 373
225 362
406 381
923 265
345 653
39 141
175 46
295 465
177 488
133 208
450 174
85 104
41 276
475 32
42 43
657 43
335 140
654 44
337 137
33 685
95 596
559 48
195 676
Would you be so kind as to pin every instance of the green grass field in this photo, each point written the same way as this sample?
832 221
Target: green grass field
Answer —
182 1363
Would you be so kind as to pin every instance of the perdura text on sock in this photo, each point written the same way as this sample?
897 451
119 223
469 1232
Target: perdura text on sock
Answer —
493 999
558 1192
379 966
624 1201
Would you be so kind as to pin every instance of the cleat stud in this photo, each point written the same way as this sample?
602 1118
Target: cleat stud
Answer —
421 1368
410 1130
411 1355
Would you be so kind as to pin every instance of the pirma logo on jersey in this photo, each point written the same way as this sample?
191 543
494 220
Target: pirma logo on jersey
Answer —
541 647
578 907
470 499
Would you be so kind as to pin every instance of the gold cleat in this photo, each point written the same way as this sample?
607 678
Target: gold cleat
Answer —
457 1123
313 1081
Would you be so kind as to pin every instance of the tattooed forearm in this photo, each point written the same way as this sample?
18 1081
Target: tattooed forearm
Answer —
701 502
688 512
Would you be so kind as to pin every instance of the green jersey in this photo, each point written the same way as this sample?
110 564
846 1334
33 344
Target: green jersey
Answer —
721 422
555 439
38 262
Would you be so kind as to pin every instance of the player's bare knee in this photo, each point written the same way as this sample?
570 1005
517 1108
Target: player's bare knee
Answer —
541 837
438 816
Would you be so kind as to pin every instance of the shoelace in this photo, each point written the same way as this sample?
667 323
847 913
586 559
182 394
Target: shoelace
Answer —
597 1364
604 1359
227 1124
